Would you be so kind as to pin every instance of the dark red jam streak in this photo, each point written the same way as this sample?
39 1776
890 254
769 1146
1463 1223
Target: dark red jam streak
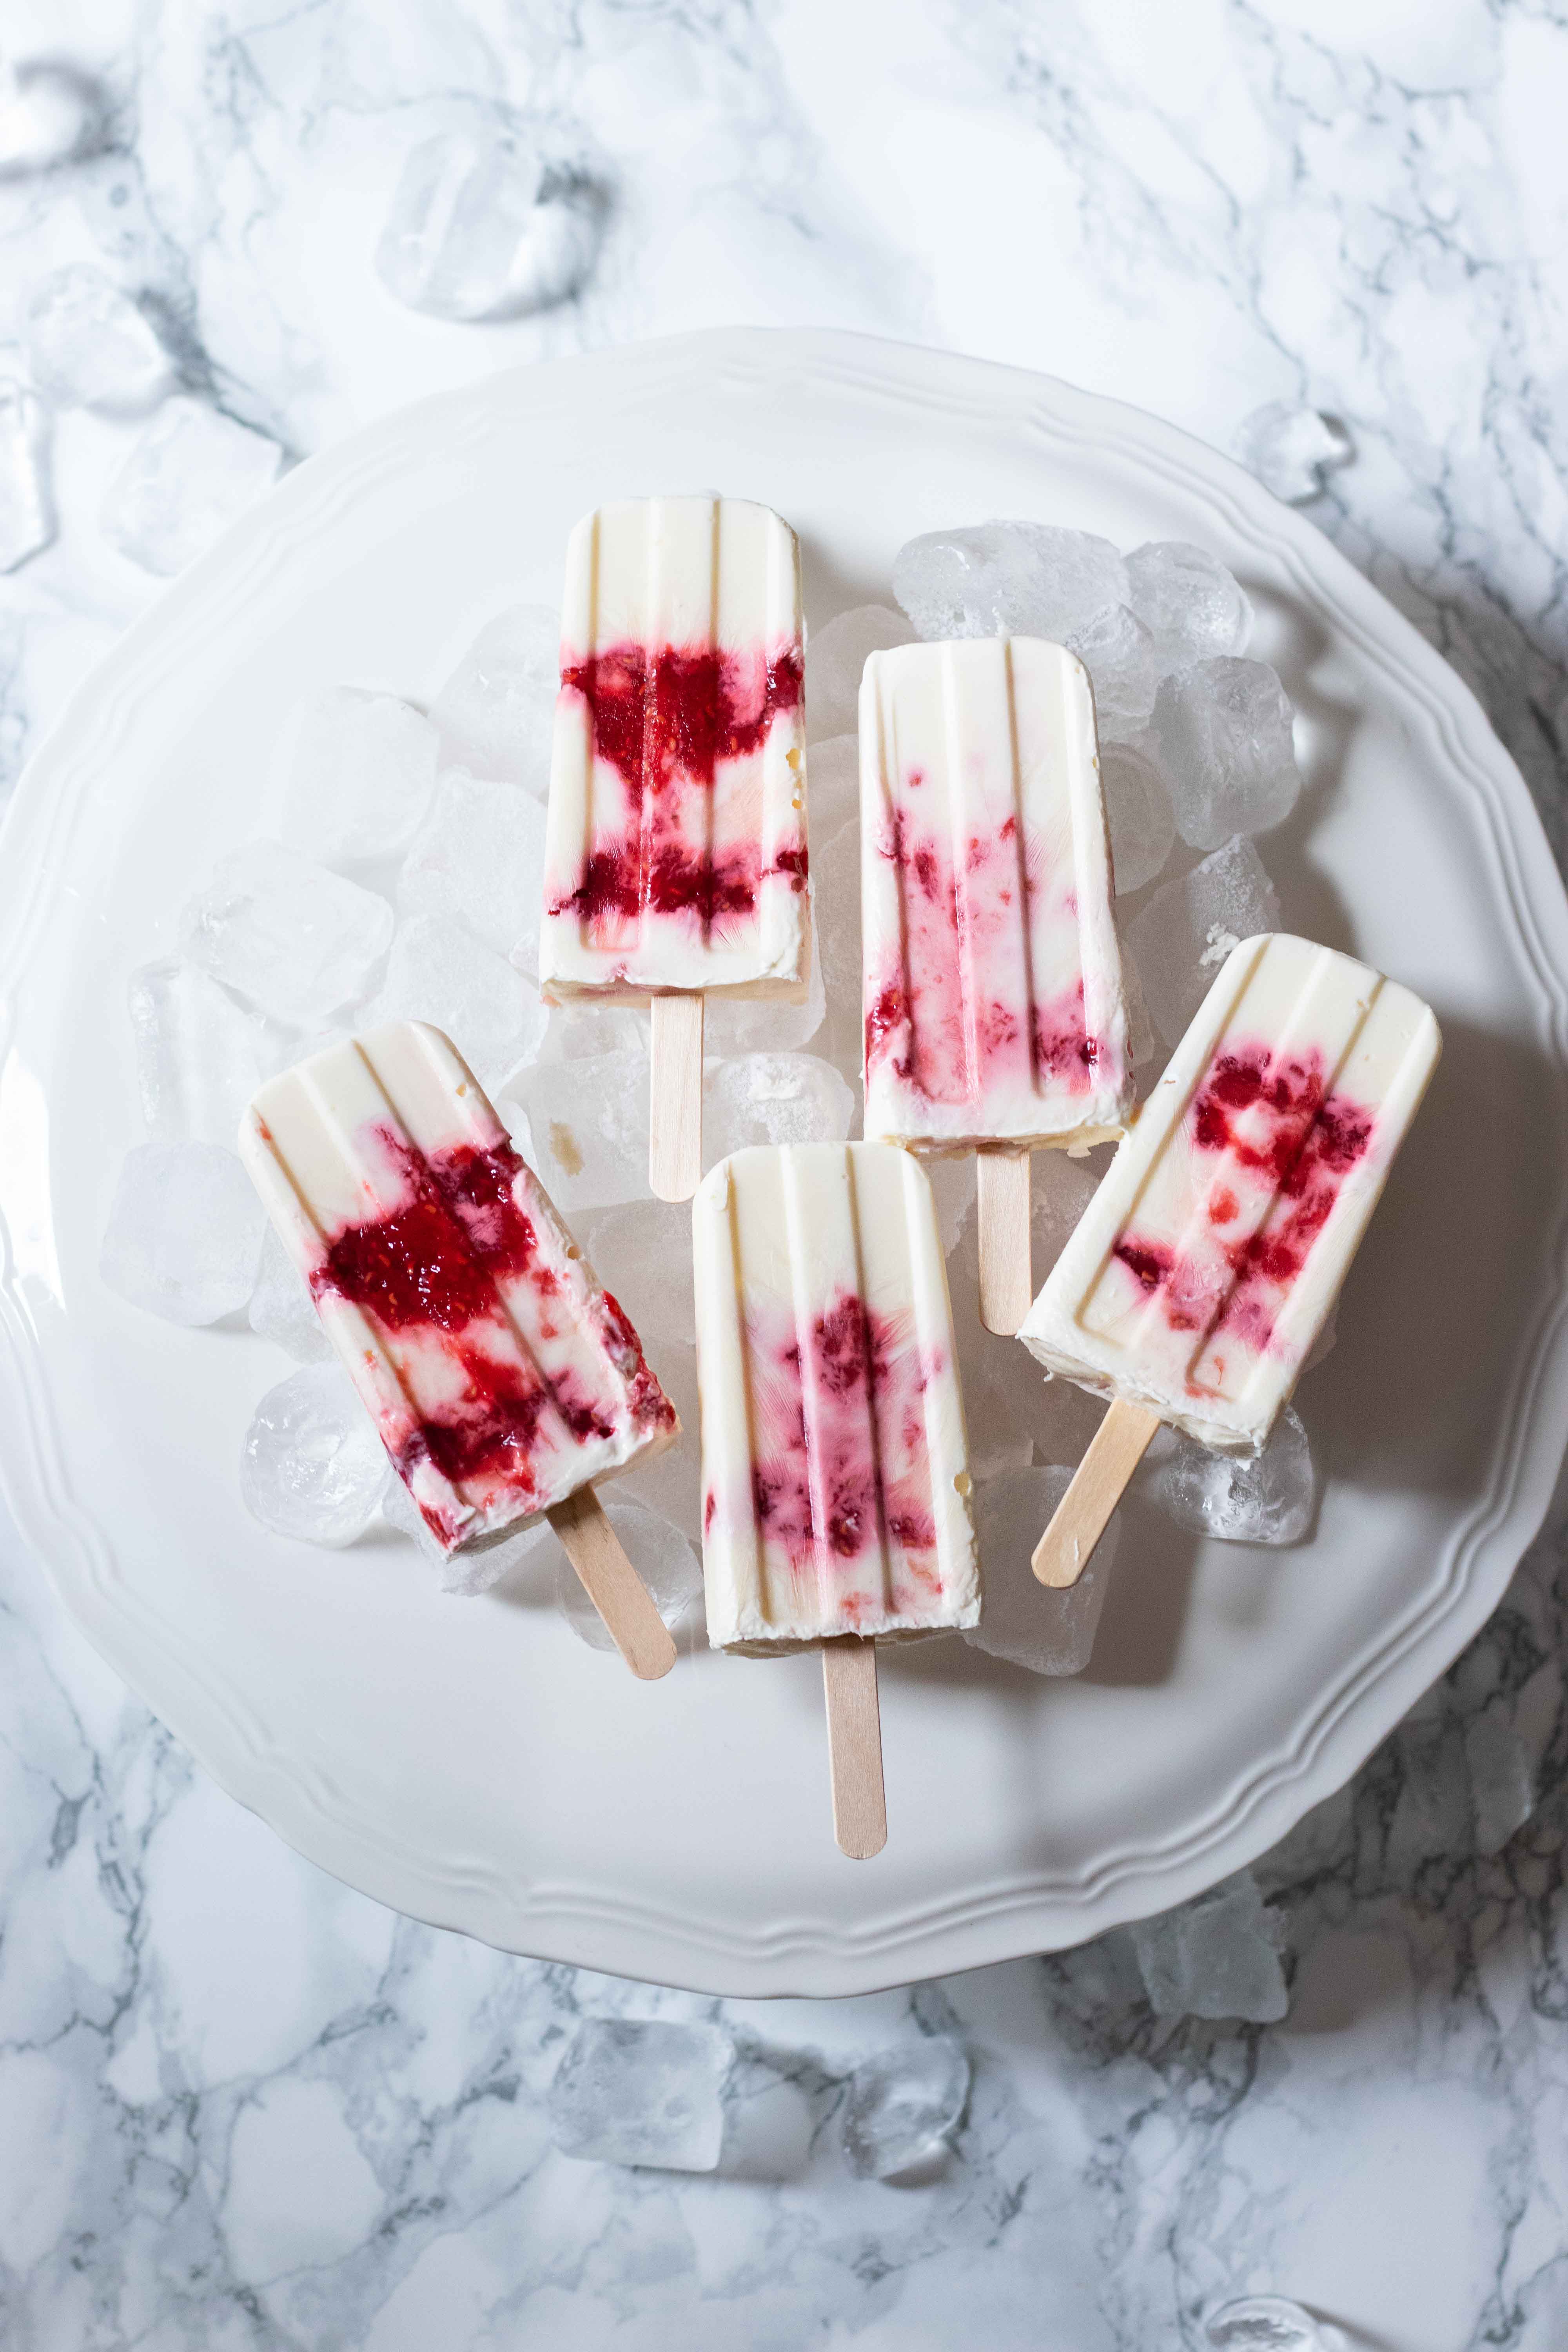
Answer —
861 1416
949 1018
1274 1123
434 1266
665 720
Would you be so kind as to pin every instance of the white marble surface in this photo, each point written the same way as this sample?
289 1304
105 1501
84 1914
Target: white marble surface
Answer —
242 2107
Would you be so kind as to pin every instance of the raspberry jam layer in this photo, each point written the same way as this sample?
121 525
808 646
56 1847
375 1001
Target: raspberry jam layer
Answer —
673 724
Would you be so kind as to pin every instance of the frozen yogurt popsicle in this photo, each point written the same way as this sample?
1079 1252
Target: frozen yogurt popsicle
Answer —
1200 1275
676 855
502 1378
995 1018
835 1464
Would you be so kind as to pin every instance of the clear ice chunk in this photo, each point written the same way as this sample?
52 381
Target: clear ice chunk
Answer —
584 1126
1222 733
661 1556
362 776
1007 579
1188 601
641 1251
286 934
495 713
88 346
902 2105
1271 2323
836 922
312 1467
1291 448
1254 1499
1139 813
1190 926
467 1573
199 1055
479 856
670 1482
27 505
1118 652
191 474
1048 1633
281 1308
582 1028
1502 1786
183 1235
480 226
833 790
753 1024
836 655
642 2091
438 971
773 1099
1218 1957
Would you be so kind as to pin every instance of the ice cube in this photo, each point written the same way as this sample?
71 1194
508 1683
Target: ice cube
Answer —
1007 579
1502 1791
901 2106
581 1029
642 2091
835 920
88 346
742 1024
999 1446
1118 652
27 507
479 857
480 226
1257 1499
661 1557
496 711
476 1567
832 790
285 933
281 1308
362 775
1189 926
199 1055
1049 1632
1222 733
190 474
312 1467
1216 1958
773 1099
1139 813
1188 601
584 1128
954 1190
836 655
1291 448
1271 2323
1141 1043
184 1236
642 1251
670 1482
438 971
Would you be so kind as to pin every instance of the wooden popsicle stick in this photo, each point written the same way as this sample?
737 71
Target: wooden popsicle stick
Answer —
1007 1285
612 1584
1101 1480
855 1746
675 1098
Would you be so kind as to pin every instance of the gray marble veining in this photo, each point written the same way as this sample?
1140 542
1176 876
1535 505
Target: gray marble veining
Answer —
243 2106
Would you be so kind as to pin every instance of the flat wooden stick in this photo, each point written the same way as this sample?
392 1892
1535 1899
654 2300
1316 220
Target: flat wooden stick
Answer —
612 1584
1006 1287
1101 1480
675 1106
855 1746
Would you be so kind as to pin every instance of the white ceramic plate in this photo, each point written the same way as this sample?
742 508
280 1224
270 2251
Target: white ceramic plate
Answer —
470 1761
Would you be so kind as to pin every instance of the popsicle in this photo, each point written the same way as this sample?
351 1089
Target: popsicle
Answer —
675 852
503 1379
995 1017
835 1465
1196 1282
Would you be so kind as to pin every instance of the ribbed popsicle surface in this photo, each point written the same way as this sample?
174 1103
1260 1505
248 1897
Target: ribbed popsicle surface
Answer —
835 1467
1207 1263
499 1373
676 852
994 998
